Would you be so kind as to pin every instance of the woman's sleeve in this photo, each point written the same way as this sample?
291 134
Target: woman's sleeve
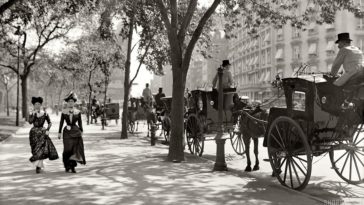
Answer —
80 122
48 121
61 124
31 118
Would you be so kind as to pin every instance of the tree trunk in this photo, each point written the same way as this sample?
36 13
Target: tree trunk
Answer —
176 152
24 95
124 120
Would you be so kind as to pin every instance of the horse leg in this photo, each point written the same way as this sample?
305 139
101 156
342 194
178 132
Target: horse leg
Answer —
246 139
148 128
256 143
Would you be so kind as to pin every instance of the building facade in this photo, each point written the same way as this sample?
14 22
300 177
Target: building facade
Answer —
281 51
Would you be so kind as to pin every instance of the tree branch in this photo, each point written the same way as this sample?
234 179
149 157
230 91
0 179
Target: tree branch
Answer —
187 19
164 14
7 5
197 33
11 67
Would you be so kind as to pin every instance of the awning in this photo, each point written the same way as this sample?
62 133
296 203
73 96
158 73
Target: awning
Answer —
330 46
267 77
313 48
279 54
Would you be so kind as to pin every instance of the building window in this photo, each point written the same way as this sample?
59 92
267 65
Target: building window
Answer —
360 24
263 58
268 56
296 52
312 49
266 40
295 32
279 34
267 76
312 28
279 54
330 47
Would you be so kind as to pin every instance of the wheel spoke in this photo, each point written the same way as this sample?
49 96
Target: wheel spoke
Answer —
341 156
300 160
294 161
280 136
285 172
351 164
282 146
280 166
356 166
358 132
295 171
361 162
346 160
359 141
290 171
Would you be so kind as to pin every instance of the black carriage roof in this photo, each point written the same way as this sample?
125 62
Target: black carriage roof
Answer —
303 79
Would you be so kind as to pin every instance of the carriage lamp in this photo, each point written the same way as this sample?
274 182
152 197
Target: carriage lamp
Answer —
323 100
212 103
277 83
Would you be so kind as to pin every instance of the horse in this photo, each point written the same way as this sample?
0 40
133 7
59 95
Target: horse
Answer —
252 125
150 115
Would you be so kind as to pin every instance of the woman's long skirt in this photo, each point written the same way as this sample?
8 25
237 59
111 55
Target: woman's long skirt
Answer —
73 152
41 145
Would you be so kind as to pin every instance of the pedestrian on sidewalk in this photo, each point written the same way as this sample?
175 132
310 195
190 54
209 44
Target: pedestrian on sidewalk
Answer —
40 143
73 149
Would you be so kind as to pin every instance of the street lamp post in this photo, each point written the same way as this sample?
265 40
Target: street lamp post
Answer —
18 33
220 164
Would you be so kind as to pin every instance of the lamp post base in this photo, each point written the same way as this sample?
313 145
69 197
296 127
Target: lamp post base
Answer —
220 164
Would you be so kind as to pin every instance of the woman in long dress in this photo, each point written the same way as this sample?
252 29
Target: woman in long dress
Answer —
40 143
73 152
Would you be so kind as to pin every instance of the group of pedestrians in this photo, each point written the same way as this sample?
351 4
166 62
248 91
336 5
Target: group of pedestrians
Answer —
41 145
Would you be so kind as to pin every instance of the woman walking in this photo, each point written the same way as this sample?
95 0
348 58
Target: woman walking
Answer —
73 152
40 143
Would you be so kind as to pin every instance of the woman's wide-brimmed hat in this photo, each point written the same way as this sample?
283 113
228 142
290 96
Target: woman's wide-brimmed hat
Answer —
37 100
71 96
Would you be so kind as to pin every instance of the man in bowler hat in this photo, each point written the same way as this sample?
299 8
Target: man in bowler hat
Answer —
350 57
227 78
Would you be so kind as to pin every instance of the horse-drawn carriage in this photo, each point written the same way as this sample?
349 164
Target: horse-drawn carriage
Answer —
158 118
202 117
319 118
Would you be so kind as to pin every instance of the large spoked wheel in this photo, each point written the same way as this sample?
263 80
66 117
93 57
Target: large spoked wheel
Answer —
236 139
347 157
194 134
289 153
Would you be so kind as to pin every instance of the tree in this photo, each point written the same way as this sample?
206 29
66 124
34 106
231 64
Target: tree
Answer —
48 19
183 31
6 77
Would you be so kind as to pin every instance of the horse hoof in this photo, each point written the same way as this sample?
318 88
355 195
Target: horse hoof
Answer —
256 167
248 169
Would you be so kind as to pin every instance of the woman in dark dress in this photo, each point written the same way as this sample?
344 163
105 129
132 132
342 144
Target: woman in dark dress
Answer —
73 152
40 143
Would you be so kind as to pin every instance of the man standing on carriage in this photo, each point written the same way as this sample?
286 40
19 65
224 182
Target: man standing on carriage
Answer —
158 101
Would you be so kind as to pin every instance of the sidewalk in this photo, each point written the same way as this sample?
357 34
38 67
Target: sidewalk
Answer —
7 125
128 172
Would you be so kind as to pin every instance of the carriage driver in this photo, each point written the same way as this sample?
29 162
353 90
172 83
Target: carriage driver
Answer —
227 78
350 57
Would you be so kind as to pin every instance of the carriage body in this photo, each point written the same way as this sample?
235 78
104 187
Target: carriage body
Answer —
312 123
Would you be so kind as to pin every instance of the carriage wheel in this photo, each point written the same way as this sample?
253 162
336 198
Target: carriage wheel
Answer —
194 134
289 153
166 127
236 139
348 162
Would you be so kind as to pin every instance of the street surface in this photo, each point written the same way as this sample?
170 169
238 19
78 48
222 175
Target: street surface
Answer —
133 172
